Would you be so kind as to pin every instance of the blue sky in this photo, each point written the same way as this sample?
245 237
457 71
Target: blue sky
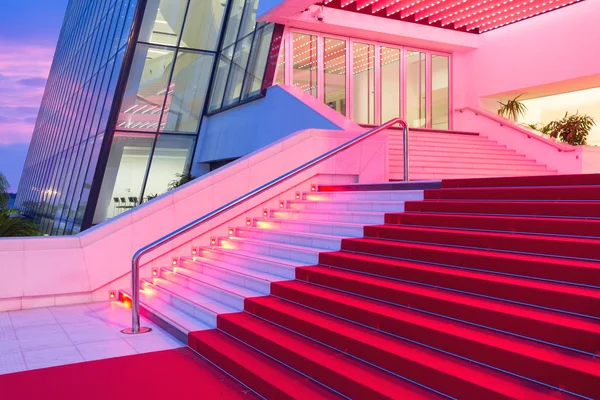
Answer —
28 33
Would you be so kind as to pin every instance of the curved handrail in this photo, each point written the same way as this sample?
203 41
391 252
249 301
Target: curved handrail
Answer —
511 124
135 278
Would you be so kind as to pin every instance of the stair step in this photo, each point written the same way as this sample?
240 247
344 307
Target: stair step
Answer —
310 240
190 302
365 205
479 169
372 195
301 254
524 291
544 325
253 280
559 180
558 246
513 208
355 217
531 266
256 370
451 375
467 163
330 367
443 157
549 226
577 193
257 262
339 229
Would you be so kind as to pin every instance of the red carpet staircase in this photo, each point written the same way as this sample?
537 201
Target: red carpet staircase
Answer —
487 289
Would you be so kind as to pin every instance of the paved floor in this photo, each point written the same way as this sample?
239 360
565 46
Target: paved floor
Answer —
46 337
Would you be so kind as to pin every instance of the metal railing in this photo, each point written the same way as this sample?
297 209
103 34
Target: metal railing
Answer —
135 271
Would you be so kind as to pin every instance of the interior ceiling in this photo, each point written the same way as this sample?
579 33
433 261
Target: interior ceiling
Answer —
475 16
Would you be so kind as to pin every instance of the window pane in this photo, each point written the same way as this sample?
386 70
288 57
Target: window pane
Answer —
335 74
390 83
440 101
171 157
124 175
363 74
233 24
146 89
416 114
258 61
238 70
280 76
187 93
218 85
203 24
162 21
305 63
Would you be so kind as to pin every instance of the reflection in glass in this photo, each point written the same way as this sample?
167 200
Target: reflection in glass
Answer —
220 80
187 92
416 109
440 101
233 22
363 71
304 74
162 21
238 69
146 89
391 88
255 73
171 156
203 24
334 61
124 174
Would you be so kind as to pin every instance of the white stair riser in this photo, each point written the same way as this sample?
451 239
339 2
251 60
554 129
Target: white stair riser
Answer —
398 195
312 227
209 291
284 271
333 244
303 256
350 206
258 285
202 314
349 217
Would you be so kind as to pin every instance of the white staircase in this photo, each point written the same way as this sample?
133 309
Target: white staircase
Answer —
189 296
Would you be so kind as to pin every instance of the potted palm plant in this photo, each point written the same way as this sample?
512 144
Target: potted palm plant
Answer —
512 109
572 129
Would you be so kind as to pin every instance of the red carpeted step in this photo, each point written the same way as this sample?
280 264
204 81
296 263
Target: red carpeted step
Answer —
544 245
264 375
336 370
556 180
552 327
434 369
560 209
529 291
551 226
565 193
564 270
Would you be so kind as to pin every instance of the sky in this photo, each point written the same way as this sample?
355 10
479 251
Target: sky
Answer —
28 33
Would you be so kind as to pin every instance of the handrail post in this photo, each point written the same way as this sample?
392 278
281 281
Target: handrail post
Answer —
135 262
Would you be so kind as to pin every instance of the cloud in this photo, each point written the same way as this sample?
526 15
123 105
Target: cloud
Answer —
24 72
33 82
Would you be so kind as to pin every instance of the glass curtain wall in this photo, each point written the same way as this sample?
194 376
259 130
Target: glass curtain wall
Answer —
73 117
242 59
164 100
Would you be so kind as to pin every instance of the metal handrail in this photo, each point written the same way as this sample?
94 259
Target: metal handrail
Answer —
135 277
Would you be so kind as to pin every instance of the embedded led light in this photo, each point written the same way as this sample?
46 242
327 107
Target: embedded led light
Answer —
194 251
313 188
213 241
175 261
281 204
231 231
298 195
265 213
154 271
248 222
112 294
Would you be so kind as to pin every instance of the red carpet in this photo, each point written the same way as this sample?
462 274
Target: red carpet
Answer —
172 374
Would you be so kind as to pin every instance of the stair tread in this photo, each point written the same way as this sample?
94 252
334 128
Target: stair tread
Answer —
430 357
250 255
252 273
283 378
470 300
197 298
373 213
310 222
217 283
281 245
295 233
333 360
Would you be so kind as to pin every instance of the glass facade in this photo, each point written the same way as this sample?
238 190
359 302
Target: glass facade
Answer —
73 118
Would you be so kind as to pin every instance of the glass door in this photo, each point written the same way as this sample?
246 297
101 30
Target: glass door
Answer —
335 76
305 63
363 83
390 83
416 89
